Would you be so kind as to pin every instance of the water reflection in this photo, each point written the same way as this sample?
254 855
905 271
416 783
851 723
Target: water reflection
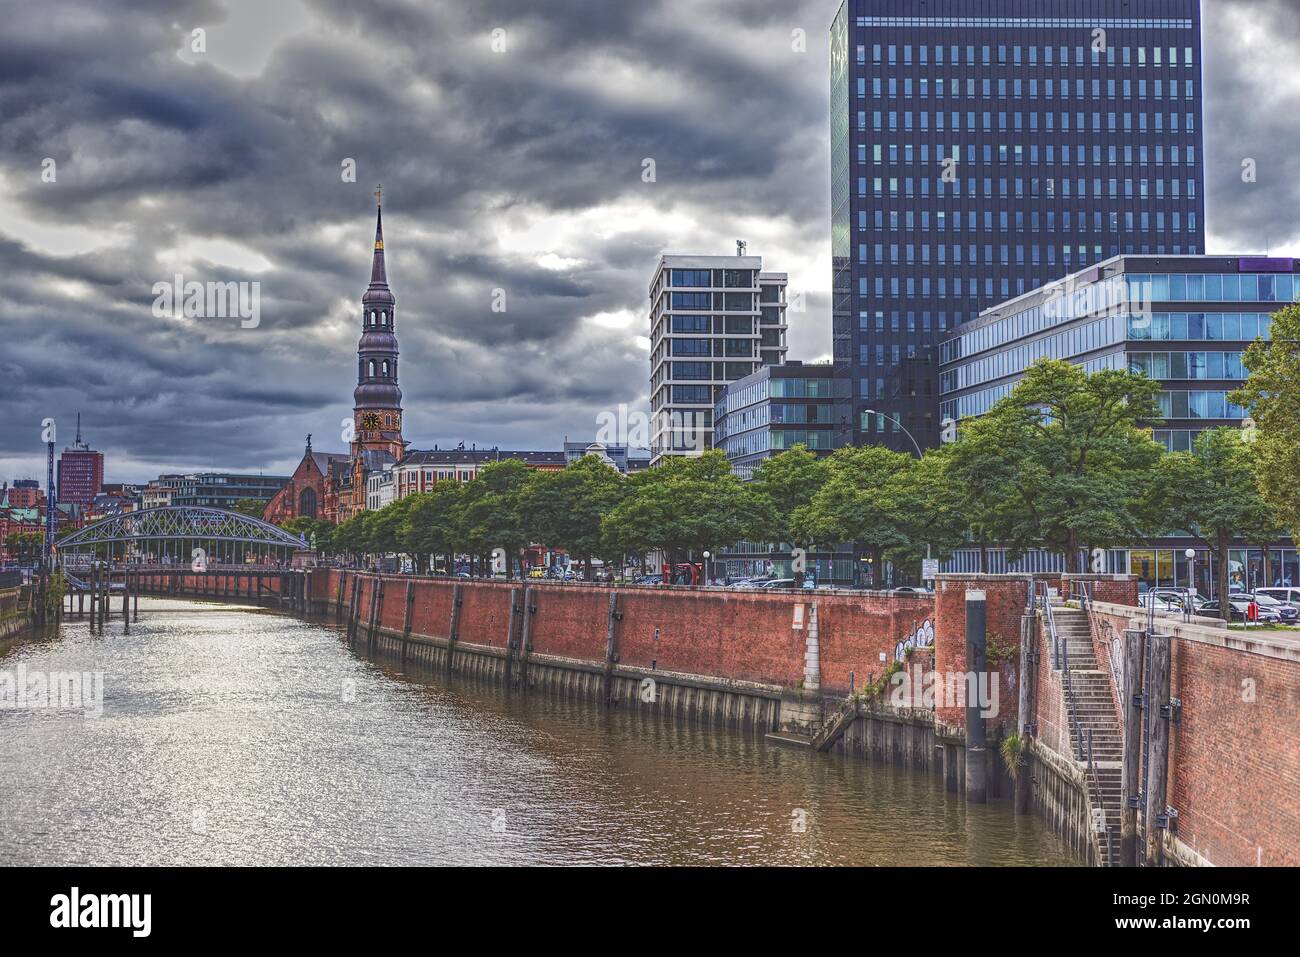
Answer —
238 736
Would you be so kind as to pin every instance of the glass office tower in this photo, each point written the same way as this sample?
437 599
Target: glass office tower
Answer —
982 149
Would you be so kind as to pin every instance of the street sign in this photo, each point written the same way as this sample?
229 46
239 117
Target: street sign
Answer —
929 569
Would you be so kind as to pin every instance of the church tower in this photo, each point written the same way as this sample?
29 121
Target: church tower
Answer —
377 400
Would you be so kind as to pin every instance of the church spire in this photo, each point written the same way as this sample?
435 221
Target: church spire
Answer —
378 274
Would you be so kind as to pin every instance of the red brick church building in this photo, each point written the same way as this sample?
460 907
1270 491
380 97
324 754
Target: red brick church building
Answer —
332 485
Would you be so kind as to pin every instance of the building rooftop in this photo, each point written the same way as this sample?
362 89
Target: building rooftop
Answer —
480 456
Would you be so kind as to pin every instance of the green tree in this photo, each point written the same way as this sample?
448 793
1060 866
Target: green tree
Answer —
1272 393
25 546
1083 460
565 509
870 498
385 527
252 507
789 480
971 481
687 504
493 510
1212 493
434 525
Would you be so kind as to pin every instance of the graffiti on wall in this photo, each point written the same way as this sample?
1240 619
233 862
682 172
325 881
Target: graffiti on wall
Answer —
921 637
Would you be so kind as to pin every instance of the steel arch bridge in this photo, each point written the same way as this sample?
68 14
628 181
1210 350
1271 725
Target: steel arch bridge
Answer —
175 527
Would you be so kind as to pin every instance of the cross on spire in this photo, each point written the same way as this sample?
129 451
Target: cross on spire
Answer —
379 194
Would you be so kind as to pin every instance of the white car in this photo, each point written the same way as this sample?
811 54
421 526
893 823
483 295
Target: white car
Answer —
1160 602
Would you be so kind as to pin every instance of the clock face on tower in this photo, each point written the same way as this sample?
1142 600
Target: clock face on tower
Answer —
370 422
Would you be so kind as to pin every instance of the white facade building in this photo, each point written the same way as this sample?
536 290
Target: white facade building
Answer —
713 319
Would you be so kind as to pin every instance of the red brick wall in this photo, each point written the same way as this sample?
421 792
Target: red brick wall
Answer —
431 614
1005 600
1119 589
1234 772
731 635
570 622
1235 763
485 613
1046 707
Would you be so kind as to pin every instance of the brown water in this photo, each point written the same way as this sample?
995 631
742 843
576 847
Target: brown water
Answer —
238 736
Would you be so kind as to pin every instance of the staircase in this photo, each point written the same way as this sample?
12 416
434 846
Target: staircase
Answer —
1091 709
834 729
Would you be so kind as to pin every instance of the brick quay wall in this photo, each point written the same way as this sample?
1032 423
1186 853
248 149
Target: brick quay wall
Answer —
745 657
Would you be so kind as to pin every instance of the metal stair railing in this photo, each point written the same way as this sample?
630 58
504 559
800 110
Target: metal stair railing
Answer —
1082 592
1082 744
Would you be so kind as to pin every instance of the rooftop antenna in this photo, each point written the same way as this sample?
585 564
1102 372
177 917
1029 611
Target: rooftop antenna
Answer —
741 246
78 428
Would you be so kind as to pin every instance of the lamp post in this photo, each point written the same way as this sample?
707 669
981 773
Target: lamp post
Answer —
916 445
706 566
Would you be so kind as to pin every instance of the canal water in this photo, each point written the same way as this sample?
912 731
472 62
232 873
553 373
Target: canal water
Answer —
239 736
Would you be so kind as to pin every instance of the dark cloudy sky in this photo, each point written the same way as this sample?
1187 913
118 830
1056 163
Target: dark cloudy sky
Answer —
519 170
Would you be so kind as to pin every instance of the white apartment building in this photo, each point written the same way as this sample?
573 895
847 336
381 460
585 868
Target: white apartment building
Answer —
713 319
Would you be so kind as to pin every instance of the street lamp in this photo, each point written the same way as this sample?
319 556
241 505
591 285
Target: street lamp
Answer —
915 445
706 566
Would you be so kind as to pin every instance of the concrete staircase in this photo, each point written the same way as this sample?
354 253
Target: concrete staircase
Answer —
1093 710
834 729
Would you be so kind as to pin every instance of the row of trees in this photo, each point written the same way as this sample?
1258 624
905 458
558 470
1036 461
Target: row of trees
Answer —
1066 463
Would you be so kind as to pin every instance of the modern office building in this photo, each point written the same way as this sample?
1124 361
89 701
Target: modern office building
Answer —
777 408
81 472
981 150
763 414
1182 320
221 489
713 319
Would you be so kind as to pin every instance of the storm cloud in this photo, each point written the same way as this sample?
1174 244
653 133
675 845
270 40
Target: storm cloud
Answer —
510 137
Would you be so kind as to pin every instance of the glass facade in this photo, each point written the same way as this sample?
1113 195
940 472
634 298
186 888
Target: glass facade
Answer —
977 157
777 408
1110 316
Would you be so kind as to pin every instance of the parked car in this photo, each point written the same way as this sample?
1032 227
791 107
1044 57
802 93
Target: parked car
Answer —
1159 602
910 590
777 583
1287 614
1239 610
1283 593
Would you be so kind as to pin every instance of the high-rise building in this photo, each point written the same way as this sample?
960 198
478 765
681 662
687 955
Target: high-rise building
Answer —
981 150
713 319
81 472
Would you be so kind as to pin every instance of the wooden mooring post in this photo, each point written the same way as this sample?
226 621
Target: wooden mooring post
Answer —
1131 759
453 633
1158 715
613 617
526 632
406 618
376 609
